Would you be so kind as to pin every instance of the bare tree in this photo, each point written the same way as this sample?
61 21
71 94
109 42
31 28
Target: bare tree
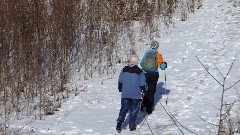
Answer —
225 108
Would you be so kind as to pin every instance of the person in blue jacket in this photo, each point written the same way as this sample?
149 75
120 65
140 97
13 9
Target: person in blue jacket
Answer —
131 83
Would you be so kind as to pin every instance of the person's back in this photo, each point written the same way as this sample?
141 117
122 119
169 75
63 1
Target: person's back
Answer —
131 83
158 58
131 78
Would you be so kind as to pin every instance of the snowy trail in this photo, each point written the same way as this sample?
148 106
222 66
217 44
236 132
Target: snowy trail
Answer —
90 113
212 34
214 42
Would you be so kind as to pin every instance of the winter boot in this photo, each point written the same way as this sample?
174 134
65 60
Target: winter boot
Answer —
149 110
133 129
119 124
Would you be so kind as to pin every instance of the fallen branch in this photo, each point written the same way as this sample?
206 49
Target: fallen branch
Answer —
207 121
209 72
176 121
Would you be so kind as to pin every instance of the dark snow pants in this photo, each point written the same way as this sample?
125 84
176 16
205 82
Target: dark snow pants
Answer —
148 99
132 105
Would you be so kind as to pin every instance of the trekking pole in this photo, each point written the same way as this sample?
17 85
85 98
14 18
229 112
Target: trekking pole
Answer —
139 111
166 86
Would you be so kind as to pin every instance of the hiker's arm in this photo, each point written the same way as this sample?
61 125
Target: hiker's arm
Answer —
120 82
142 82
119 87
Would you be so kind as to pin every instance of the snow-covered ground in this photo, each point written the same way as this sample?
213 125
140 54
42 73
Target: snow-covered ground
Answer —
212 34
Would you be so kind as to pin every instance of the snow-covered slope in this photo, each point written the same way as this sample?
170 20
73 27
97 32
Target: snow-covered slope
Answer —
212 34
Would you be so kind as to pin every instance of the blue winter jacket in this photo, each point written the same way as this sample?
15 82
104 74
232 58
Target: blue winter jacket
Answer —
131 81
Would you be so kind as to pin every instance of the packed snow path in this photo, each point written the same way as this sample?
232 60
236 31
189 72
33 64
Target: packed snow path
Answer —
212 34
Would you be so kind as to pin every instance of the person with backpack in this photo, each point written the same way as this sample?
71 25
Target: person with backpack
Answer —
151 61
131 83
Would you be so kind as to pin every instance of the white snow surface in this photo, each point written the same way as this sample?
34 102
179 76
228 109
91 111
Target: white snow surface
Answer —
212 34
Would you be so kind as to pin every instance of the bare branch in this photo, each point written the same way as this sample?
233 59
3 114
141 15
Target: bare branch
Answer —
172 119
232 104
216 108
209 72
228 109
207 121
224 116
219 71
175 120
231 67
232 85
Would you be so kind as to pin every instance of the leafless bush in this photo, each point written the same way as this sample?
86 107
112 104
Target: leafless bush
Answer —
228 119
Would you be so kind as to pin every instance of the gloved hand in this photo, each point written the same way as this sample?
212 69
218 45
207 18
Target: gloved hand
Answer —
119 87
163 66
143 90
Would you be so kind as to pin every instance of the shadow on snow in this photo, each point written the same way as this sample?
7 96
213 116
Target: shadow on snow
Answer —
158 95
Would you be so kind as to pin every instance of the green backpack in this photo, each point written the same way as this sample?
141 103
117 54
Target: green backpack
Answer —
149 62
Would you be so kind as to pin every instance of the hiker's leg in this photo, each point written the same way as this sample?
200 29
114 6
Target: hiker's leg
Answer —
154 87
125 104
151 80
147 94
134 108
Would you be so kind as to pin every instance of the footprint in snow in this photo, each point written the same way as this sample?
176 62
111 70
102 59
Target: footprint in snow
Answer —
201 81
206 112
89 130
102 106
